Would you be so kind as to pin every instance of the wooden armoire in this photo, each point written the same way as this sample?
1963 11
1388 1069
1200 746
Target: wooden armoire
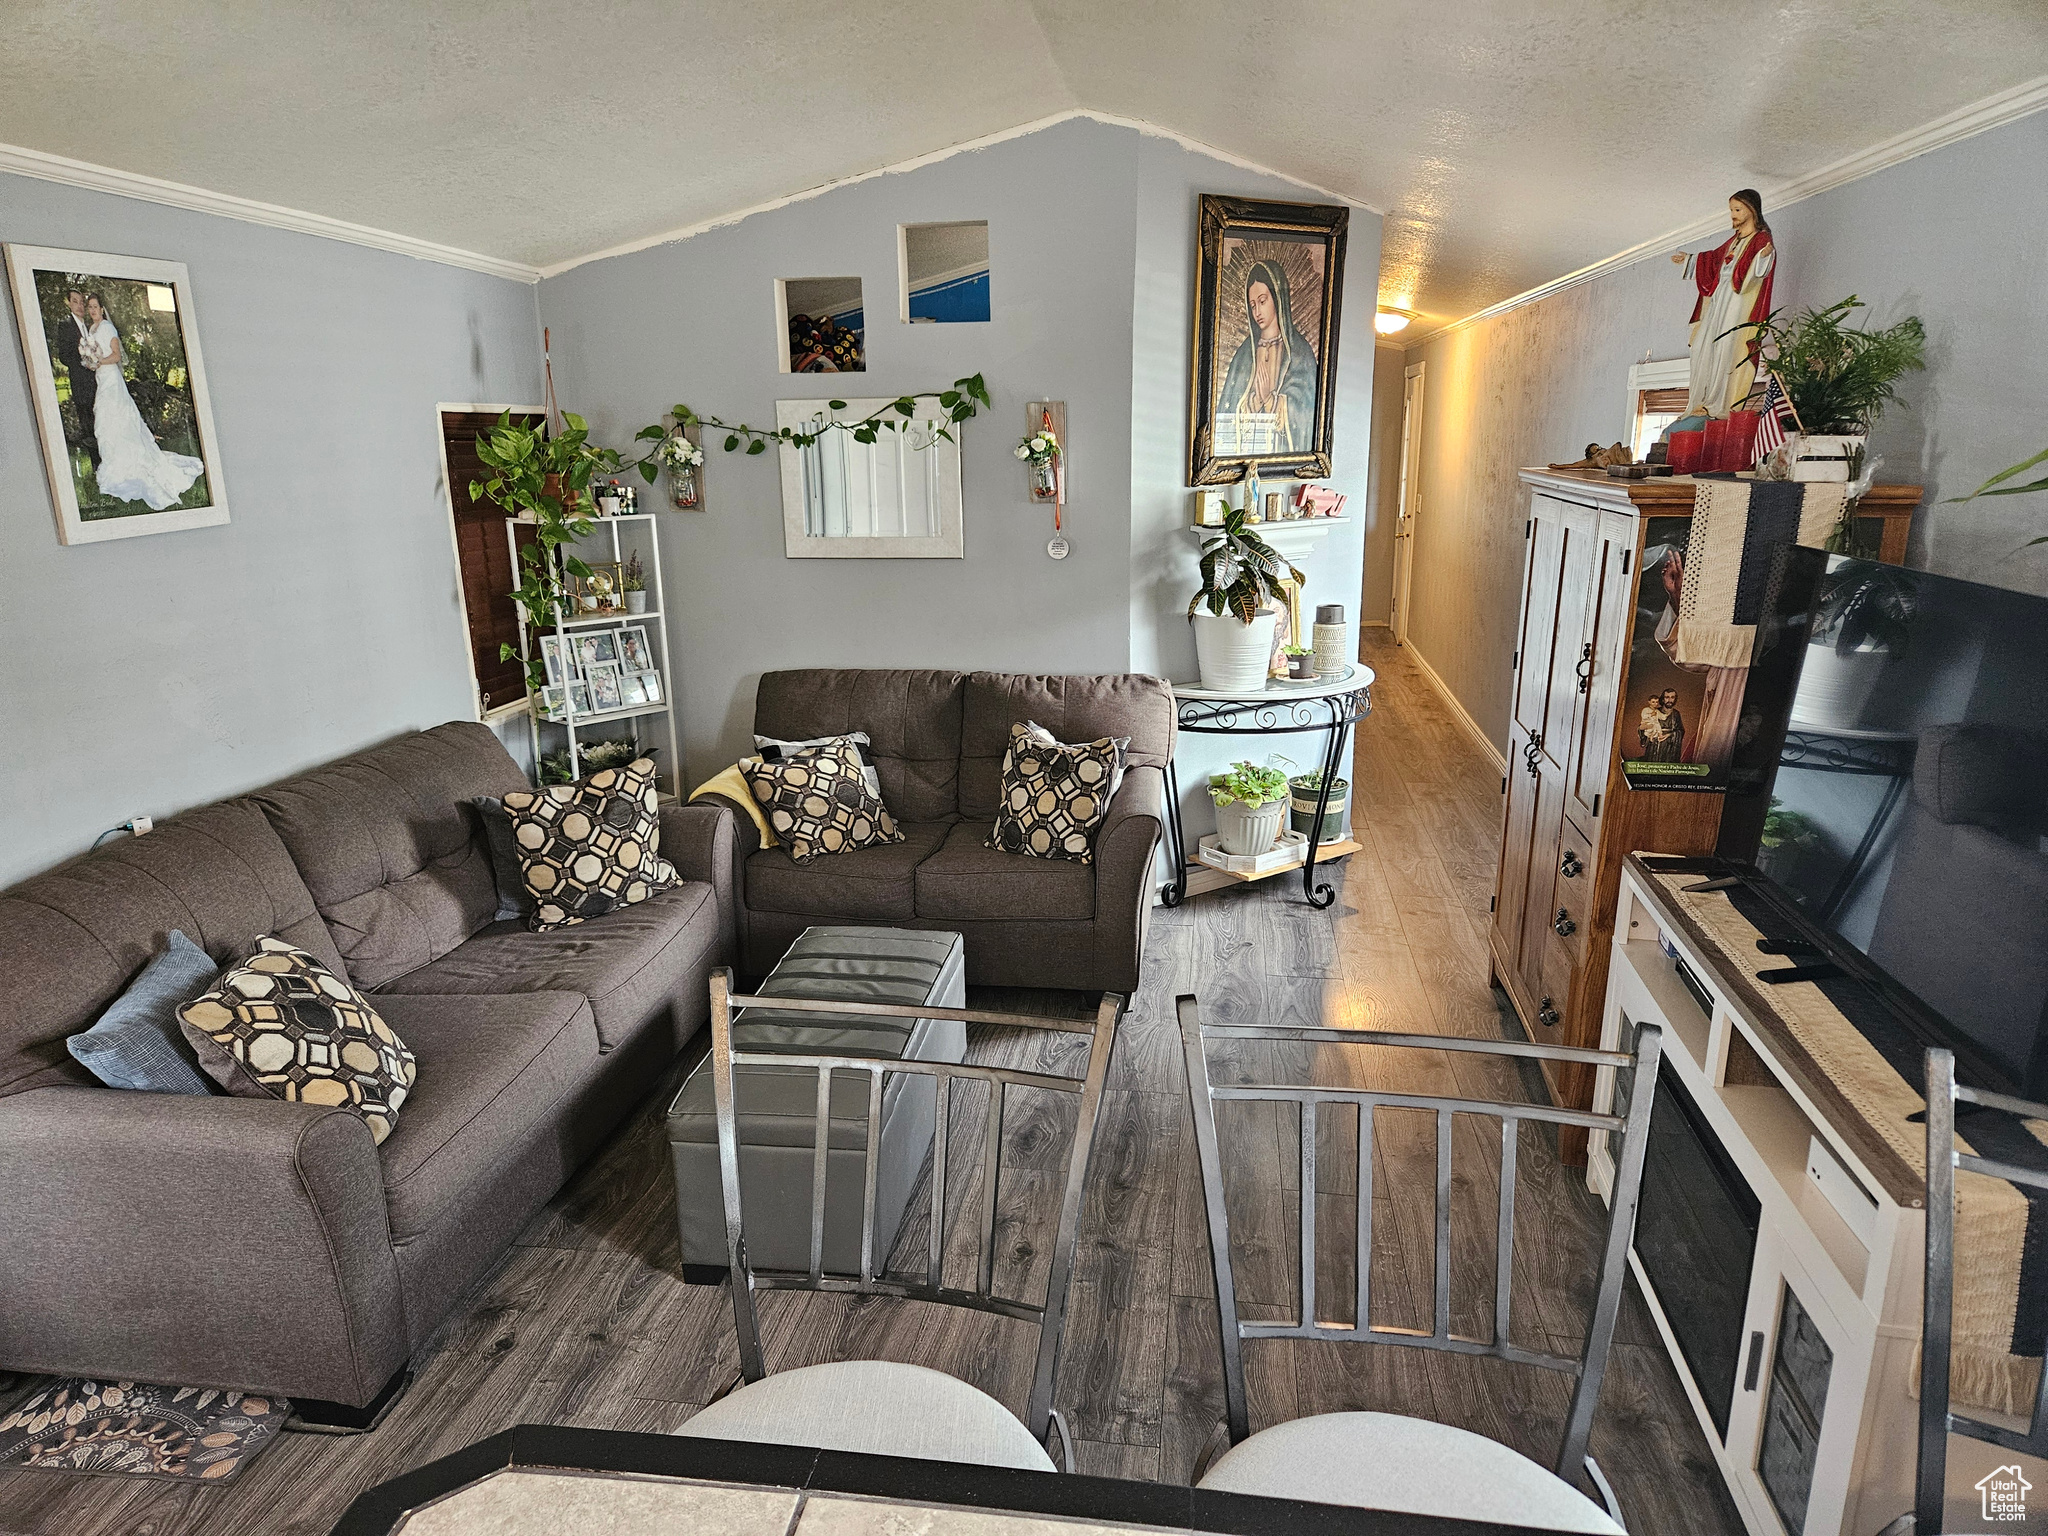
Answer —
1569 817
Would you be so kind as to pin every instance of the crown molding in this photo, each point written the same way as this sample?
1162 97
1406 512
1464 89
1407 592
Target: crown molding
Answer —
18 161
918 162
1965 122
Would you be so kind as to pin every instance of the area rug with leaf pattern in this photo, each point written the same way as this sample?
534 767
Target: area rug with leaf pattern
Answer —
191 1434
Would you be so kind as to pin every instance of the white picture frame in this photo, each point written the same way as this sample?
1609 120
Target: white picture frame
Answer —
151 306
551 655
897 498
594 648
651 681
634 652
633 689
606 692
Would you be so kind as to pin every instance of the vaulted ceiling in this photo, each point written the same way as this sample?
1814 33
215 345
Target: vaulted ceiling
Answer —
1507 141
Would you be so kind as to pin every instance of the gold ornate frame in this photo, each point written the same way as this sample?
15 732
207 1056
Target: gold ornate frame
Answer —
1243 218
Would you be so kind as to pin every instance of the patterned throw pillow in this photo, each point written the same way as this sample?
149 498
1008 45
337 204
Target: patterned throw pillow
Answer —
818 801
590 847
282 1026
1054 795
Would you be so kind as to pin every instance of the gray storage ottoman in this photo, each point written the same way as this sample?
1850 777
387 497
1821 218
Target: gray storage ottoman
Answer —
778 1106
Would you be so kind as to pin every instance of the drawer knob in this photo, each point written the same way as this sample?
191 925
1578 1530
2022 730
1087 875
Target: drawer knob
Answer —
1547 1015
1564 925
1571 866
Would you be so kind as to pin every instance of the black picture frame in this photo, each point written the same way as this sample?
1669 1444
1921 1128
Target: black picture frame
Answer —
1242 240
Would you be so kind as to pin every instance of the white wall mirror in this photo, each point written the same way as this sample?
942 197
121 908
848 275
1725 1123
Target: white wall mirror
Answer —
897 498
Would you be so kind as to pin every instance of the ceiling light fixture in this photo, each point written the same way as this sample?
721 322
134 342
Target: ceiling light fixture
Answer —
1388 321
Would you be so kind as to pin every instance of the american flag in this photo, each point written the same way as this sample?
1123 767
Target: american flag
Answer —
1770 432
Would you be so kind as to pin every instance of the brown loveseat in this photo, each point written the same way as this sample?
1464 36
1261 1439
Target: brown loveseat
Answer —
938 744
251 1243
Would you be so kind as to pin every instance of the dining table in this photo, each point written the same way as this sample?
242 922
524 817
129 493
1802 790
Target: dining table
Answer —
543 1480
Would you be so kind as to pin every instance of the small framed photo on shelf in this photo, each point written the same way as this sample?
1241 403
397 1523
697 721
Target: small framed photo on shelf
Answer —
650 684
551 700
634 654
551 656
597 649
606 691
633 689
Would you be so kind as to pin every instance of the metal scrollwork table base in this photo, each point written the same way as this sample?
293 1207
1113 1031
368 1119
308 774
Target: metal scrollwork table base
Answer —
1331 706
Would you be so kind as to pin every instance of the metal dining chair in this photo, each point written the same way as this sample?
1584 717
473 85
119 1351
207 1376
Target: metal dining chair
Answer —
880 1406
1391 1461
1937 1419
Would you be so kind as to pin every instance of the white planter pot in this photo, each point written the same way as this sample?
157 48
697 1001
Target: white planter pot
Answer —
1249 830
1835 690
1822 458
1234 657
636 602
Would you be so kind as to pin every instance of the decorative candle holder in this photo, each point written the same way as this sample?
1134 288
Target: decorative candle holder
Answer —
1684 451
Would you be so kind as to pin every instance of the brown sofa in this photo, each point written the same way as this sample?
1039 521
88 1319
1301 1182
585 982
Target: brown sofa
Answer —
938 744
255 1244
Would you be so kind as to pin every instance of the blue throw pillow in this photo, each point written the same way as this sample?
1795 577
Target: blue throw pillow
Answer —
137 1043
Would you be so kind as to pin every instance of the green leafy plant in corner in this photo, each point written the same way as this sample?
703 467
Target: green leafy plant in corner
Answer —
1840 378
1250 783
1996 486
542 478
1241 572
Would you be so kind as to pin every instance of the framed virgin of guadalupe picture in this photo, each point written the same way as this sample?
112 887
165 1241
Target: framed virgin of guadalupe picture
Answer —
1262 375
119 391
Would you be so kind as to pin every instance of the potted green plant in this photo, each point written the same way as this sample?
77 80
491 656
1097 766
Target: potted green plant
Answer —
1248 806
1996 486
1234 612
1301 663
1839 379
633 582
1302 808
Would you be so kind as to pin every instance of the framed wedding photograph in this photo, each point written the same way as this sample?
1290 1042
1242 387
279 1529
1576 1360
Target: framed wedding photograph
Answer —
634 655
596 650
578 699
1262 371
119 391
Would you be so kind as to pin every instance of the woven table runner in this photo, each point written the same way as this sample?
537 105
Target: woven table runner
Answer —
1991 1215
1735 557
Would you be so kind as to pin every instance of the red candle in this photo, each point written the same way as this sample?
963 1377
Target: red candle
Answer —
1742 438
1714 452
1682 451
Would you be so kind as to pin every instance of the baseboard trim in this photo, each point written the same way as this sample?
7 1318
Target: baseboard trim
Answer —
1458 711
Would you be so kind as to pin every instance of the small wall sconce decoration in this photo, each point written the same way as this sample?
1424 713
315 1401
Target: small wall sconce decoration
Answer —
682 455
1043 451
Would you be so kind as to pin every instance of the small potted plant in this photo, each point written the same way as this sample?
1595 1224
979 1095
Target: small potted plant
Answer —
1237 607
683 460
633 582
1302 808
1248 800
1301 663
1839 380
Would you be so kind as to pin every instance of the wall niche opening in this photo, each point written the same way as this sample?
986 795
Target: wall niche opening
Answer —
944 270
823 325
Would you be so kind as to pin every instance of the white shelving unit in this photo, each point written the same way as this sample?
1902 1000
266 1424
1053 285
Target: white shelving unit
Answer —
572 726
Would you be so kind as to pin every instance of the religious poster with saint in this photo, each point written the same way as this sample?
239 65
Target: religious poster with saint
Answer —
1264 361
1679 723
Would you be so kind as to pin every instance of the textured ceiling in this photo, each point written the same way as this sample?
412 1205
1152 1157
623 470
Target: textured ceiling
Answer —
1509 143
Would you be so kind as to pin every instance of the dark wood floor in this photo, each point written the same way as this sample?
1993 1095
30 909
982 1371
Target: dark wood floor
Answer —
587 1321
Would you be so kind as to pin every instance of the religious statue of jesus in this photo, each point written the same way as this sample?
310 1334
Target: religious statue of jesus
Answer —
1734 284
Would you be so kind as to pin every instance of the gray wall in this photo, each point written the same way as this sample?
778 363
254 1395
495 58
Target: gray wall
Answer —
1958 237
1091 250
150 674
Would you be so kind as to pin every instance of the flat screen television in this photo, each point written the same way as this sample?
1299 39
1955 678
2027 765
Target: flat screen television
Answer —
1891 781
